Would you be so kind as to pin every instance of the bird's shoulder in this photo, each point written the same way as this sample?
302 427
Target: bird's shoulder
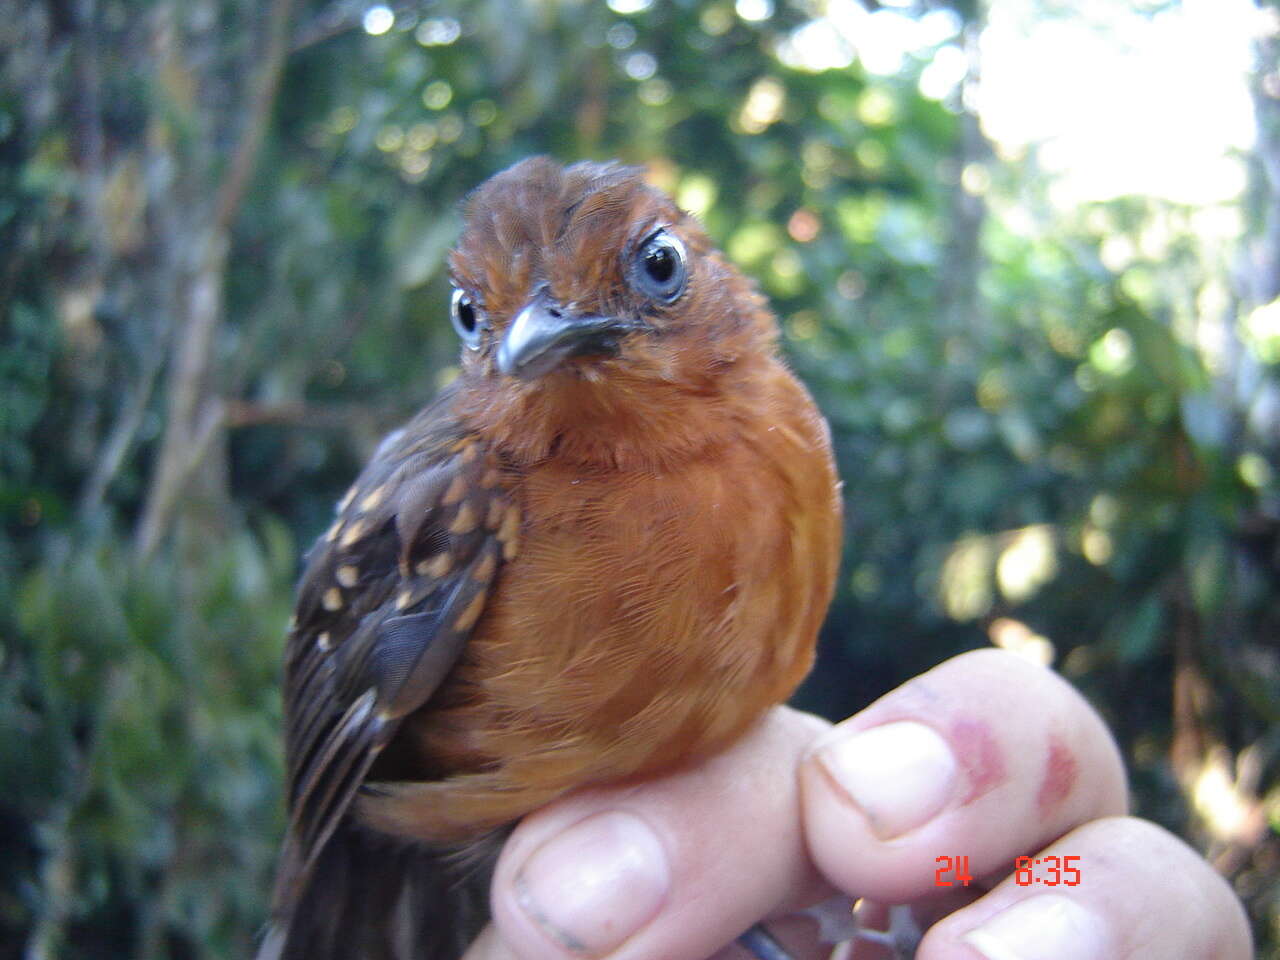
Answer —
430 501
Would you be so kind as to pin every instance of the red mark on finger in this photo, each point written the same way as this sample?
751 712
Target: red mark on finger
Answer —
1059 775
978 752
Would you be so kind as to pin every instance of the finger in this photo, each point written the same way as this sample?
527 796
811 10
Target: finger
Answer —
673 868
488 946
984 757
1141 893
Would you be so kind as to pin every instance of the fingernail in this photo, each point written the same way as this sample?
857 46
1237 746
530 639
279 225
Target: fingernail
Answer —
899 775
1047 927
594 885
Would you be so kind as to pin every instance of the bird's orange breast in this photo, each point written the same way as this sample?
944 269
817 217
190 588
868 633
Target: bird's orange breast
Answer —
648 618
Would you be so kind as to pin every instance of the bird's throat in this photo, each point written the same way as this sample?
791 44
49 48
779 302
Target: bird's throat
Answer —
608 422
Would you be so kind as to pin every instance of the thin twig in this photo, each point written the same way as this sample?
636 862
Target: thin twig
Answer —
189 429
339 18
123 433
259 113
244 414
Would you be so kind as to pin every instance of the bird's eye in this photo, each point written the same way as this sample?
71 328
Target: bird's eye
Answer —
660 269
468 319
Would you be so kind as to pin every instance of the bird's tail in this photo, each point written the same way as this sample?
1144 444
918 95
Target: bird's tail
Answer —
370 897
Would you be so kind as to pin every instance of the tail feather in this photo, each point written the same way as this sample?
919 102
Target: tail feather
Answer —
371 897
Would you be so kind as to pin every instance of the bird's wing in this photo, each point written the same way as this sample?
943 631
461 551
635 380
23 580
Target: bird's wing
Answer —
389 596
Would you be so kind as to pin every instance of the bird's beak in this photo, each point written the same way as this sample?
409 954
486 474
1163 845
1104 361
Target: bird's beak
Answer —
545 333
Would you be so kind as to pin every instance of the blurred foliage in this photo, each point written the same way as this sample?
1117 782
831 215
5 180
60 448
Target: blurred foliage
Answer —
1059 430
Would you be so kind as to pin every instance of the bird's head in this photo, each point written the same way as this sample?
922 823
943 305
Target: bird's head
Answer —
597 321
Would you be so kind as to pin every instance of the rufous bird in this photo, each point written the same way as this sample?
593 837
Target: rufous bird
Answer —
602 553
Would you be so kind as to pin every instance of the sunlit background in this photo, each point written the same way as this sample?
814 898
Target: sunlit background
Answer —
1026 254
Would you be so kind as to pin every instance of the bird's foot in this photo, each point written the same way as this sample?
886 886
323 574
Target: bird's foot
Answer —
838 923
761 944
902 937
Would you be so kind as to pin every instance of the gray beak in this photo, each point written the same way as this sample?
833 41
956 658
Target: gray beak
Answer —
544 333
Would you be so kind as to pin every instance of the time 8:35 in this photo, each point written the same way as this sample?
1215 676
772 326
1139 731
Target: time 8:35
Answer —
1050 871
1054 871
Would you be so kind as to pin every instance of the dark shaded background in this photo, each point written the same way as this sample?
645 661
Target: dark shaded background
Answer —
222 226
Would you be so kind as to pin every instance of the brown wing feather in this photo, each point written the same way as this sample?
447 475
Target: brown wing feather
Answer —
389 596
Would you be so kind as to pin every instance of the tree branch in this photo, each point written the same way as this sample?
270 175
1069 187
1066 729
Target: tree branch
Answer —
259 113
331 416
339 18
194 417
109 460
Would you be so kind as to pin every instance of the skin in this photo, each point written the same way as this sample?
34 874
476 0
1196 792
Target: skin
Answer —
767 828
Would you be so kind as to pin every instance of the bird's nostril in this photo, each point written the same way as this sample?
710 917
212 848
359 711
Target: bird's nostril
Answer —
555 312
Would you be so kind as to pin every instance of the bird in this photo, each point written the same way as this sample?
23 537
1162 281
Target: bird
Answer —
601 554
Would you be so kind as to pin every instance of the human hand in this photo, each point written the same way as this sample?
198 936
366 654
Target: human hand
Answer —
985 757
